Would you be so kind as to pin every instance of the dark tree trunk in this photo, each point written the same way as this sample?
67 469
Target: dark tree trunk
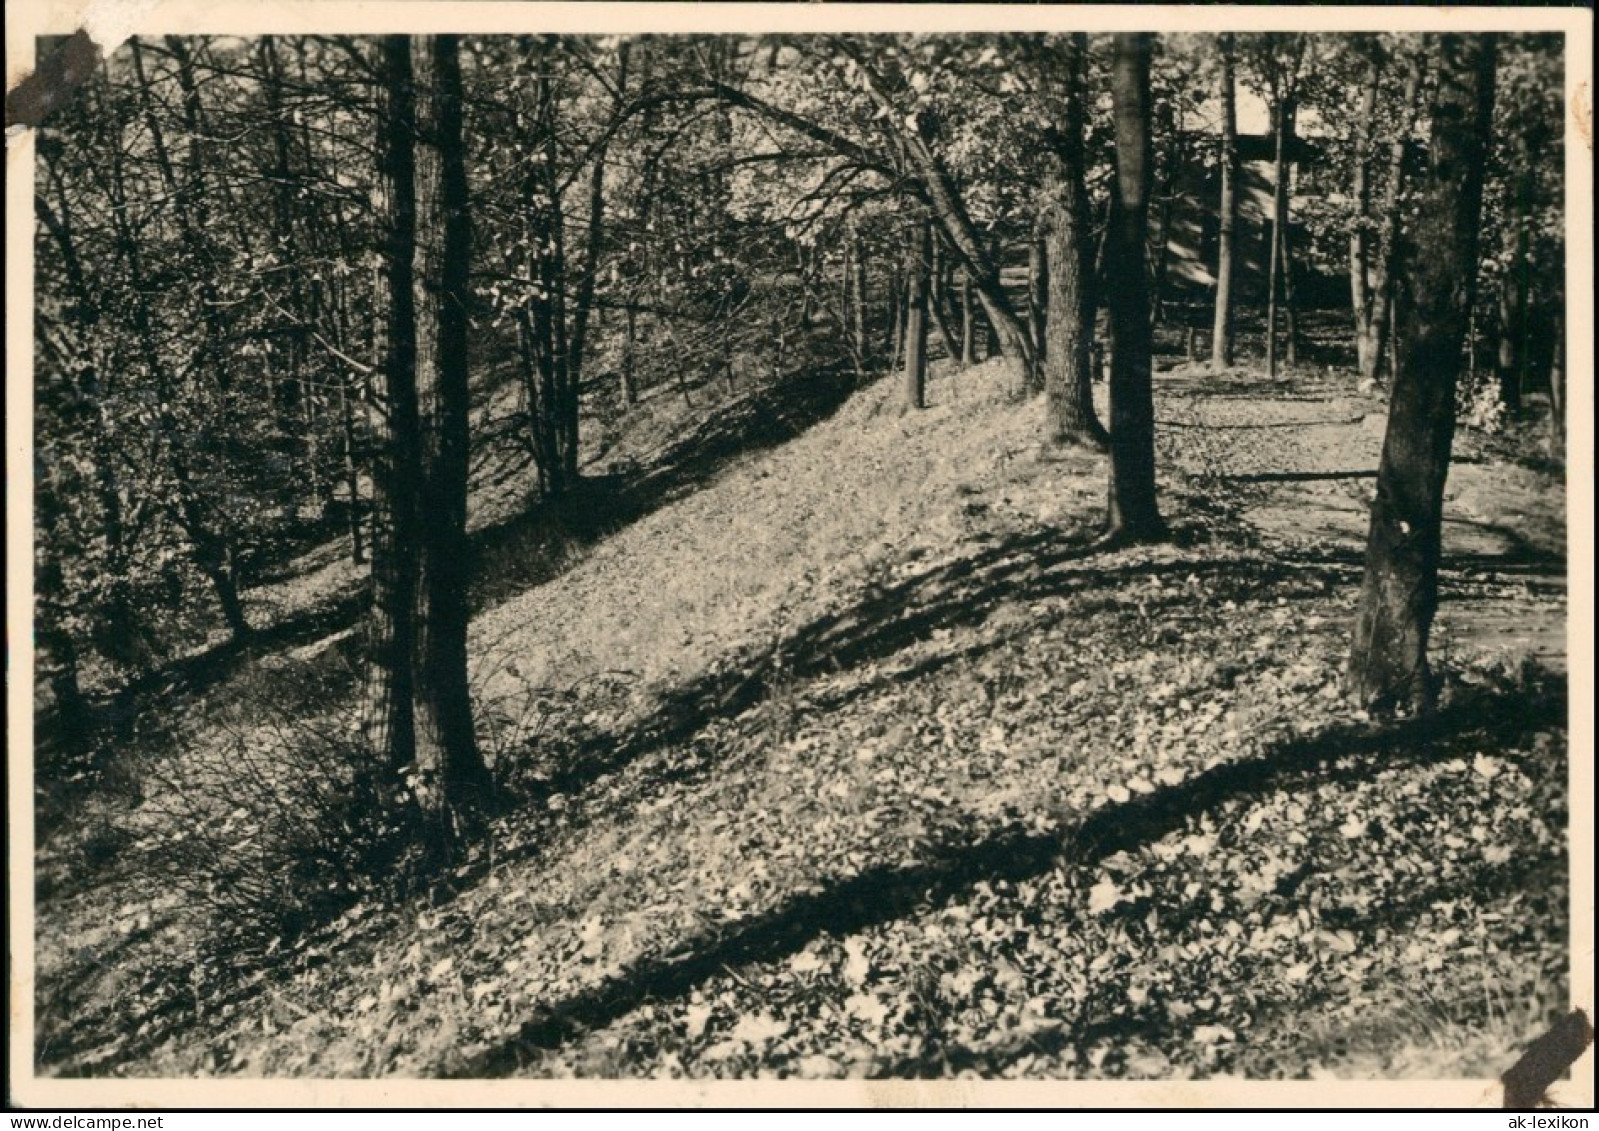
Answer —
917 270
418 709
348 394
863 341
1037 306
217 562
1557 390
1285 247
294 391
543 331
1279 221
995 340
1513 328
1068 262
1134 514
630 357
454 783
1221 342
1379 327
120 635
1388 660
1160 253
936 304
1359 232
389 719
896 318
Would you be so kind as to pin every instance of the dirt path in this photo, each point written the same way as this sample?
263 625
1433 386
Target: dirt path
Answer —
1299 463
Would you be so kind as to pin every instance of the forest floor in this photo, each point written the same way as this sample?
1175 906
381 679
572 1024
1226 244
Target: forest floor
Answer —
855 757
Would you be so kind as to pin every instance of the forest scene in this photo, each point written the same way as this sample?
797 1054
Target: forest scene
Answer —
816 556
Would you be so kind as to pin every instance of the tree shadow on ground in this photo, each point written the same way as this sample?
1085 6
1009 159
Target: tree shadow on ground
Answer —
885 893
1520 553
1297 476
74 753
964 593
1110 1020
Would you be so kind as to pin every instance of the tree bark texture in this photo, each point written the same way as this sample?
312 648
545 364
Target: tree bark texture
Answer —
419 710
862 340
1279 197
935 301
1068 261
917 270
1513 327
1378 328
1360 190
453 781
1221 342
1133 512
1399 595
1037 305
389 721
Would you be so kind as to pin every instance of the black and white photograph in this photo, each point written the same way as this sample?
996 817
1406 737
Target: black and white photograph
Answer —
827 547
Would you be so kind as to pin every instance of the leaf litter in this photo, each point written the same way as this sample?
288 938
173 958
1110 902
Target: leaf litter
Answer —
910 783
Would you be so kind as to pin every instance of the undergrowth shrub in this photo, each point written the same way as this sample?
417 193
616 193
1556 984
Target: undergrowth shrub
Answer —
1479 403
267 827
526 731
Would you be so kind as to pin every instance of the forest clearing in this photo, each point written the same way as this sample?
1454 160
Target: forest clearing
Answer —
669 567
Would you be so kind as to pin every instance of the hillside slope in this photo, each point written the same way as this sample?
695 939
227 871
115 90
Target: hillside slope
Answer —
862 760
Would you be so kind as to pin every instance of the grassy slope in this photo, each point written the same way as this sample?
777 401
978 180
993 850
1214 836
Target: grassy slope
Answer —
902 778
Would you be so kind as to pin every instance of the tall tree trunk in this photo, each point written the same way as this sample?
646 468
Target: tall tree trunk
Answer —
1285 247
1513 328
1133 512
1279 219
917 269
1388 659
348 394
293 392
116 612
454 783
389 720
935 301
863 341
1068 262
1221 342
1379 326
1286 244
1037 306
630 356
543 323
896 317
996 337
1359 231
1171 126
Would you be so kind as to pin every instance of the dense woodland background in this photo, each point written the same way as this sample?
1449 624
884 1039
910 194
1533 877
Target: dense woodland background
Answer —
345 345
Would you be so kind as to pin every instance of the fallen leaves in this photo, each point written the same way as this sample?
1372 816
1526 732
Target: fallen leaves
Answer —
1040 836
